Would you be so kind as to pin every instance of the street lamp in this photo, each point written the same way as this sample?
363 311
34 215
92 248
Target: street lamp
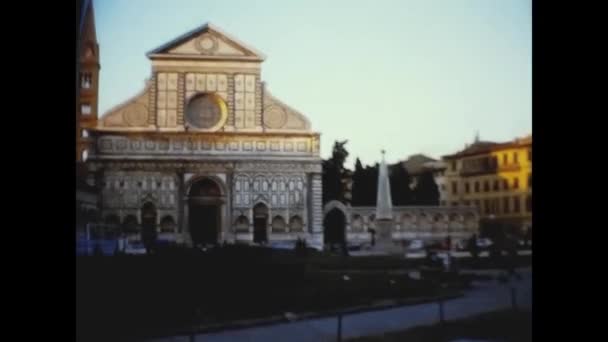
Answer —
344 279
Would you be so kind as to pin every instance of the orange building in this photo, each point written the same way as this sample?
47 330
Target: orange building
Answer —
496 178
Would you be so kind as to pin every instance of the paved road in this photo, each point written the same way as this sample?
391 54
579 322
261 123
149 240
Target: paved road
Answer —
485 296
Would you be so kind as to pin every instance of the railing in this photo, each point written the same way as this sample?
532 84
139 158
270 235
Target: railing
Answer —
510 167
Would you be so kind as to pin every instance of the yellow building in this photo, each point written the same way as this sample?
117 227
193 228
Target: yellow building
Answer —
496 178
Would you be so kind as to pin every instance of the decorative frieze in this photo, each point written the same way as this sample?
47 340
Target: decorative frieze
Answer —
126 145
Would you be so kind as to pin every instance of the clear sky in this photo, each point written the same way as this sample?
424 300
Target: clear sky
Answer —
407 76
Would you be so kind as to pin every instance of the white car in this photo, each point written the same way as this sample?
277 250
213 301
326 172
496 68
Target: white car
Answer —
484 242
135 247
416 245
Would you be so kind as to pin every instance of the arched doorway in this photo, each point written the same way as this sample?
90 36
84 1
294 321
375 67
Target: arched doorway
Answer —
167 224
204 203
148 225
334 227
129 225
260 223
110 229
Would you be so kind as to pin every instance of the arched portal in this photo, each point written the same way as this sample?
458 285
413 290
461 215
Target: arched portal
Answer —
334 227
148 224
129 224
205 200
167 224
260 223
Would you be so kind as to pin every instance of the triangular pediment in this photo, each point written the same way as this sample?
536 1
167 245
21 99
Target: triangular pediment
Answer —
206 42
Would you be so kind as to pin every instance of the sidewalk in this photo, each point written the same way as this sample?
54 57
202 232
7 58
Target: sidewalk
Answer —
487 296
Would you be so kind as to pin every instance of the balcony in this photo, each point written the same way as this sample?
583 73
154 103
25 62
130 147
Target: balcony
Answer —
509 167
477 171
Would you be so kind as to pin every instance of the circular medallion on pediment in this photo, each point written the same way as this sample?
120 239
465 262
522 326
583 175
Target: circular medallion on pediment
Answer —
206 111
136 115
275 117
206 44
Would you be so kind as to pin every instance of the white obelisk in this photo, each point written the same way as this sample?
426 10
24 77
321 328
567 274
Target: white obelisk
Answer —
384 204
384 213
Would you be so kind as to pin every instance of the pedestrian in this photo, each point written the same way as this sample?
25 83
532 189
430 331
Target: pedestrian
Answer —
512 259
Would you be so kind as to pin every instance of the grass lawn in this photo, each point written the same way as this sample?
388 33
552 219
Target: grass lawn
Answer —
504 325
158 294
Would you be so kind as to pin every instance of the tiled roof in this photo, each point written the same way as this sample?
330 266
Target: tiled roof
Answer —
415 164
480 147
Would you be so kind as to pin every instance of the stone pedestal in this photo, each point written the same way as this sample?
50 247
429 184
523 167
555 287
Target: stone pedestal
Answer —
384 238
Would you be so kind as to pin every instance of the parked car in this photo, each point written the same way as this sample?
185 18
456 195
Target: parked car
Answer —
484 243
282 245
416 245
461 245
354 246
134 247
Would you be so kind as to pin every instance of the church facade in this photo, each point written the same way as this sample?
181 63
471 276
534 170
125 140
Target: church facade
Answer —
205 153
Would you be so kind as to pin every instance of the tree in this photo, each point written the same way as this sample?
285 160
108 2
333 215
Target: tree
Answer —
370 185
336 179
426 192
358 184
400 185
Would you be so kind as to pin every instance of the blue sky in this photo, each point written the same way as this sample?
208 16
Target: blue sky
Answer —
407 76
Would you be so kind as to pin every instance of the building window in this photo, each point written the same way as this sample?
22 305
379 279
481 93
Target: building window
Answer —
505 205
505 184
86 80
454 204
529 203
516 207
476 186
85 109
496 185
486 186
85 155
467 203
454 188
478 204
529 181
516 183
515 157
466 187
505 159
84 133
486 204
454 165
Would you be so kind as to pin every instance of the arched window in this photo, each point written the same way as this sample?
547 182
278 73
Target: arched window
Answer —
85 155
357 223
242 223
205 187
296 224
86 79
129 224
278 224
424 221
167 224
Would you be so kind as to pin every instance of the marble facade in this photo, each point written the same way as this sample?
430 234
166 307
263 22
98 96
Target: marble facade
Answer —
204 144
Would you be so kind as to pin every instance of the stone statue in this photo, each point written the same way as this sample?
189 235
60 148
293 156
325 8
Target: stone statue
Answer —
339 153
